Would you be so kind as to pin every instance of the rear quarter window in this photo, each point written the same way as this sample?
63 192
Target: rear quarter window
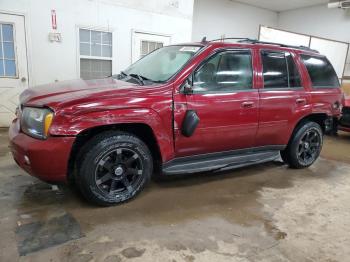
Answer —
321 71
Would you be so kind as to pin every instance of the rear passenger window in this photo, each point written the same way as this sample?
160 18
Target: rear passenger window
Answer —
280 70
322 73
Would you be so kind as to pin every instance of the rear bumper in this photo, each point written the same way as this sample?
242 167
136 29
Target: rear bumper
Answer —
44 159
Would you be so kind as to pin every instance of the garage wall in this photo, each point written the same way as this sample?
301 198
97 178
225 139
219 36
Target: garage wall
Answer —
319 21
216 18
59 61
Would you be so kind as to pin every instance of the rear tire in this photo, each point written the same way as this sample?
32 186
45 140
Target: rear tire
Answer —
304 147
113 168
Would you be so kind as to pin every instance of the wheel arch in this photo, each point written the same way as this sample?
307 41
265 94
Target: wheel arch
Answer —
141 130
319 118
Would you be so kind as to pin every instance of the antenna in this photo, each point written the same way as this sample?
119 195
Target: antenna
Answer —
204 40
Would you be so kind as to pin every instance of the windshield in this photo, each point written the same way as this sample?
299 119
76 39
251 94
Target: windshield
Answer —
163 63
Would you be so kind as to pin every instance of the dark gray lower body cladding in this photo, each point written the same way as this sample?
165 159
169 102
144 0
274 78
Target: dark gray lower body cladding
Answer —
221 161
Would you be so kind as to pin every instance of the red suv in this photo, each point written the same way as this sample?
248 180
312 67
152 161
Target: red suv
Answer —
182 109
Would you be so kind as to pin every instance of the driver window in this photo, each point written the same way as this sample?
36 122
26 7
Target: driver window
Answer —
225 72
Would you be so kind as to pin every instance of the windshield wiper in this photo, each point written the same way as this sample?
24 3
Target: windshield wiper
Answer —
133 76
141 79
122 73
119 76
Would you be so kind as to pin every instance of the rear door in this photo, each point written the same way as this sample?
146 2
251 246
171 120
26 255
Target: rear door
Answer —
13 65
226 103
283 99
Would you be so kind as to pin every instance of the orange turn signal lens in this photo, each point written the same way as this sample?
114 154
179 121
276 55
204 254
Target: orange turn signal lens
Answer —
47 123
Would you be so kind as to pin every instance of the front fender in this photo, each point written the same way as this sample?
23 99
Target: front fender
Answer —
64 125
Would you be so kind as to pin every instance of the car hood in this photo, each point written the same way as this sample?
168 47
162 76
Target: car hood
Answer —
79 91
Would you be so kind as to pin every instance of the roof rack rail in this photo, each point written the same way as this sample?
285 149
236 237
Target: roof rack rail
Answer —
232 38
205 41
301 47
255 41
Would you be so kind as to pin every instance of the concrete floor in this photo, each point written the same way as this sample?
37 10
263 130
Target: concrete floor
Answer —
262 213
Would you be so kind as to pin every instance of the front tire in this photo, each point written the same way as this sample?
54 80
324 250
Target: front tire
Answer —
304 147
113 168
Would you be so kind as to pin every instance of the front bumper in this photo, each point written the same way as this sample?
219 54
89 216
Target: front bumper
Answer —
44 159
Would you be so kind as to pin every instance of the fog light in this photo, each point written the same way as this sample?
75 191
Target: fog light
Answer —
26 160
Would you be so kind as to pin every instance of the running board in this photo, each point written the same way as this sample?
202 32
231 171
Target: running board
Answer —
217 162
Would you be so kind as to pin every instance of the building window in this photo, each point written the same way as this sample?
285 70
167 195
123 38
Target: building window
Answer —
149 46
7 51
95 54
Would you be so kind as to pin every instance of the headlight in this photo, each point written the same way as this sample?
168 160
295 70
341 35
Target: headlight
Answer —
36 121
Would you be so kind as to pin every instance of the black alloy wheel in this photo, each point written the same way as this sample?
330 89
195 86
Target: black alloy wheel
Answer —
304 146
118 171
113 167
309 147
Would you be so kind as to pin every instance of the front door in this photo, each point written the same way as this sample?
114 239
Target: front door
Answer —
226 103
13 65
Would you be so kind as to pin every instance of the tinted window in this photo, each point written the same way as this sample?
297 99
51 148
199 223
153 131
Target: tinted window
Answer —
294 76
225 72
280 70
321 71
275 70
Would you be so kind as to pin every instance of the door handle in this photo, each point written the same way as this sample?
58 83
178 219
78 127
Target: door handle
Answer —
300 101
247 104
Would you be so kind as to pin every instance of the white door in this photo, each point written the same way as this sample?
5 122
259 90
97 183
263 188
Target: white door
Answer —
144 43
13 65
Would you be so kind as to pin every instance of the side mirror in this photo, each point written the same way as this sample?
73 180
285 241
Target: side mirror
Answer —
186 87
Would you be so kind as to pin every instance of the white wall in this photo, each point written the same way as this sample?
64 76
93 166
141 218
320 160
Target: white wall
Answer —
318 21
59 61
224 17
